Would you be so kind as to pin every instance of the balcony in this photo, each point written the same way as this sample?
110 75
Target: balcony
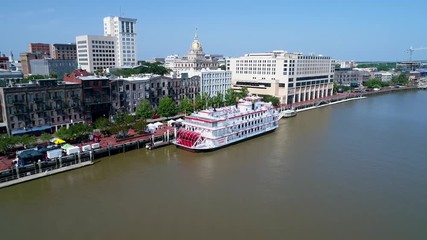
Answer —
18 102
21 113
39 100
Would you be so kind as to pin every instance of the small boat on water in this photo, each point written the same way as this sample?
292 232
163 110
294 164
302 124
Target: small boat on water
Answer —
289 113
151 145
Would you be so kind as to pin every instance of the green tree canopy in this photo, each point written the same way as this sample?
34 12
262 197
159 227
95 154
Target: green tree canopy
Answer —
402 79
218 100
375 83
167 107
201 101
230 97
45 137
7 143
26 140
144 109
243 92
102 123
122 123
146 67
186 106
274 100
74 132
139 125
53 75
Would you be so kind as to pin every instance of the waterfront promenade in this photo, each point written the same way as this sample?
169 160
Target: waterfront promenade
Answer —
342 96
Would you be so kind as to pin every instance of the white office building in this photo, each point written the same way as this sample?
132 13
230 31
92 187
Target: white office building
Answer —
96 52
124 30
292 77
384 76
213 82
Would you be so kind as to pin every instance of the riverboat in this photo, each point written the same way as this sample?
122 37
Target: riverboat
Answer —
214 128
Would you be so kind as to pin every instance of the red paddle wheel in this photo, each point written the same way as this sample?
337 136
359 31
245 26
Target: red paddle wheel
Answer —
187 138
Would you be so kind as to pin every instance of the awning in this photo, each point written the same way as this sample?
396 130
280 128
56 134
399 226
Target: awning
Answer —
57 141
34 129
157 124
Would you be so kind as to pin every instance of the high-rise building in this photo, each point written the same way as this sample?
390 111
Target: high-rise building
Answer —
96 52
292 77
124 30
63 51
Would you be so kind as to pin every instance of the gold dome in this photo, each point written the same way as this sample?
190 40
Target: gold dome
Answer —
196 46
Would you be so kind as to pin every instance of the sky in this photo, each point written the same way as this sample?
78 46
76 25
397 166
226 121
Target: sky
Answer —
360 30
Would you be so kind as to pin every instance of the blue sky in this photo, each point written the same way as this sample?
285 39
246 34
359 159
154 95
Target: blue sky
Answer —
360 30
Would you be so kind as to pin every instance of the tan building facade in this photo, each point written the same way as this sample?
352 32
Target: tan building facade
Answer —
292 77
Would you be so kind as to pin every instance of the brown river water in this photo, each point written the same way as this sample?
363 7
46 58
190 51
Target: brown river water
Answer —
355 170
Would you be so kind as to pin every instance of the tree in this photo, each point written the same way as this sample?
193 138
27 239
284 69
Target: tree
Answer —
122 123
140 125
402 79
26 140
372 83
53 75
230 97
144 109
244 92
146 67
63 133
45 137
223 67
167 107
186 106
34 77
201 101
274 100
218 100
74 132
6 143
102 123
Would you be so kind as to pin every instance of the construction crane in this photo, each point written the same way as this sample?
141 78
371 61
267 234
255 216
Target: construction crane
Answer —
411 50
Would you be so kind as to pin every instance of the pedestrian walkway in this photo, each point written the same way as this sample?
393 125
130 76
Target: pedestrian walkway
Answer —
104 142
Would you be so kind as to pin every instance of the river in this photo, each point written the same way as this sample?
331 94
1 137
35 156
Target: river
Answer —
355 170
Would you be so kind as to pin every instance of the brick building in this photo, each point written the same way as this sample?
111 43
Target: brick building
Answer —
45 105
95 93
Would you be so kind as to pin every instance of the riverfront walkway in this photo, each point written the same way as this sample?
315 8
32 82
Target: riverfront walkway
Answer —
105 143
342 96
